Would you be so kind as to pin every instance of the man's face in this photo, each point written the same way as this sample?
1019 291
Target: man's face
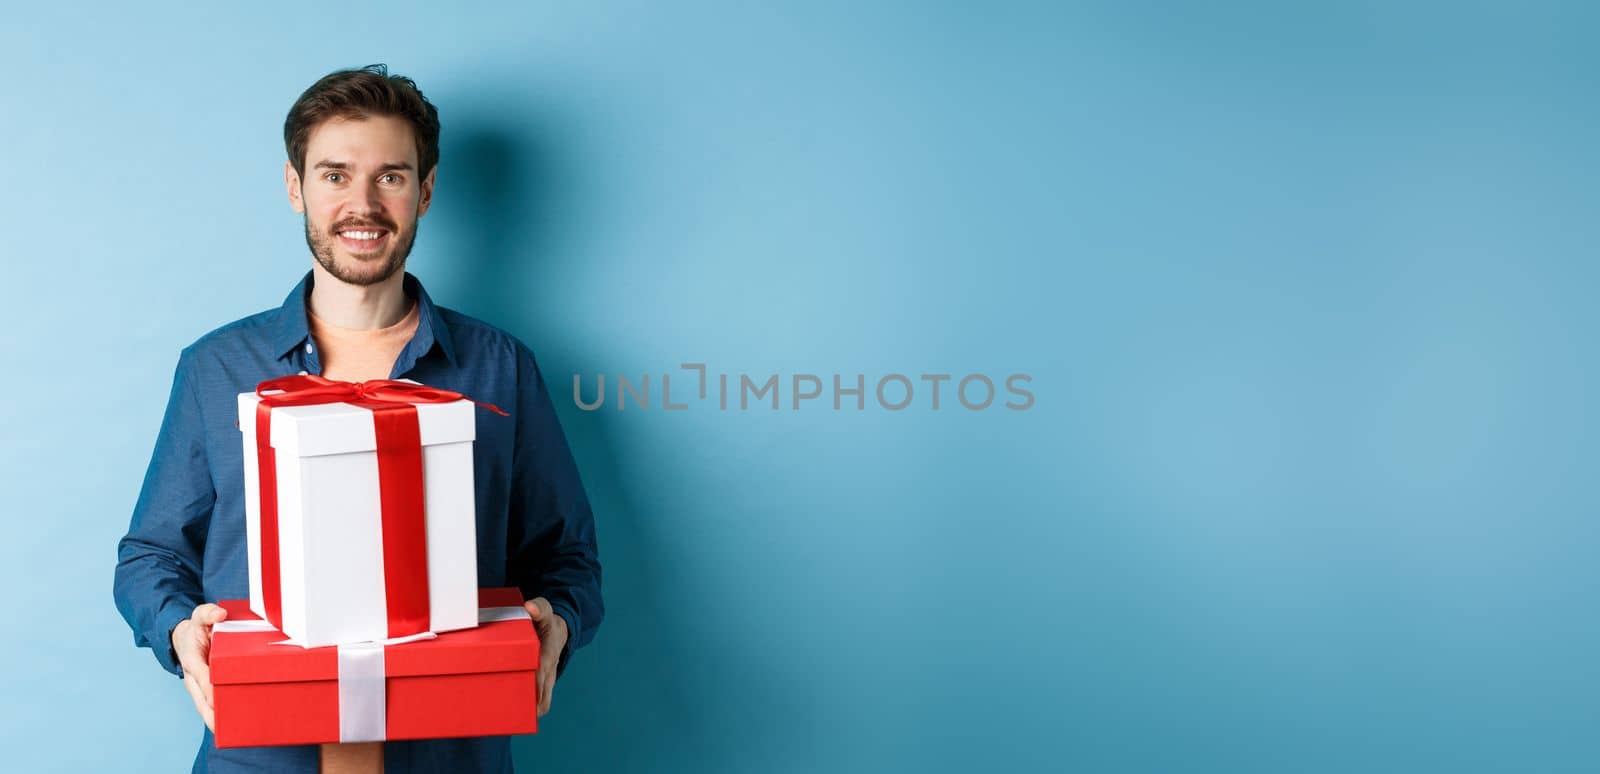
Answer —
361 196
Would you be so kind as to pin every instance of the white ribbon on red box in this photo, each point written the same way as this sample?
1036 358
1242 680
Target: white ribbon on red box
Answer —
363 689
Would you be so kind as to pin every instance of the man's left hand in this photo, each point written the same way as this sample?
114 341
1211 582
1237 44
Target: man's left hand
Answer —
553 633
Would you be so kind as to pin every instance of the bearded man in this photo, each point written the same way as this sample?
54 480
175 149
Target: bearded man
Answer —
363 146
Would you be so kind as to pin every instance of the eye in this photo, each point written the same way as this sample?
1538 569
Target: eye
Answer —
391 177
331 175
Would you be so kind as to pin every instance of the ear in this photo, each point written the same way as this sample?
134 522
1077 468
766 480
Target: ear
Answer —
427 192
291 182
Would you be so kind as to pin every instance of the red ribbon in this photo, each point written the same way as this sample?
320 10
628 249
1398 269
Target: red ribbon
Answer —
400 490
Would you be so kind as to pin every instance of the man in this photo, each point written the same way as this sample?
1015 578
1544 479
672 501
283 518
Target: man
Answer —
362 148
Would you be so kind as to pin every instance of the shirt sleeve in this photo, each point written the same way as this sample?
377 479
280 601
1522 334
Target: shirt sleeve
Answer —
552 546
157 582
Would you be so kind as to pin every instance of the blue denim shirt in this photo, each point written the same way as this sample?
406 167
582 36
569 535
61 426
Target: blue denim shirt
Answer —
186 542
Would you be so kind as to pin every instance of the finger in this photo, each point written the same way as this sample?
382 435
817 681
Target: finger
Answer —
209 615
200 672
201 706
548 660
544 693
205 617
202 676
542 619
539 608
194 691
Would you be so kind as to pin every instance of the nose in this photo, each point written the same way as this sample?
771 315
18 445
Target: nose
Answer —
366 201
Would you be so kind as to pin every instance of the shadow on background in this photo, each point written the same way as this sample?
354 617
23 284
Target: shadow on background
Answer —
623 704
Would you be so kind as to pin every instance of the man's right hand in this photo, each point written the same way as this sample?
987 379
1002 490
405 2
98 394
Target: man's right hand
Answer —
191 639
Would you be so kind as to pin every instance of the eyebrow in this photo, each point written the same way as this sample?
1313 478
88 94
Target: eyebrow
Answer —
345 165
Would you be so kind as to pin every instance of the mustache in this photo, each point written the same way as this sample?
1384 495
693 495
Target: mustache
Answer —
375 224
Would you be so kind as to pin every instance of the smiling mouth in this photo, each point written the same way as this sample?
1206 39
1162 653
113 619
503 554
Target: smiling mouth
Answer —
359 240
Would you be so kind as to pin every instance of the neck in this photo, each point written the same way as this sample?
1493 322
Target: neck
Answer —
359 307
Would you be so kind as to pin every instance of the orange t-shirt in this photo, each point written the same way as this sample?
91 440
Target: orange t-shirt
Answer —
353 355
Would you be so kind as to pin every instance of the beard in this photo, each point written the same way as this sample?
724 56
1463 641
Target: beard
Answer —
365 270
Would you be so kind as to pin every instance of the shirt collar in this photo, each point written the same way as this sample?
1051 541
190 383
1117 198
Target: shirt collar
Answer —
291 330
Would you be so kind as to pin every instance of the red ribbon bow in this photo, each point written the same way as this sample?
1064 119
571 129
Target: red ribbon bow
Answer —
307 390
399 447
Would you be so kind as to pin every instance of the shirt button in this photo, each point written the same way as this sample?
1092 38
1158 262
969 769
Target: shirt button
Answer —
308 348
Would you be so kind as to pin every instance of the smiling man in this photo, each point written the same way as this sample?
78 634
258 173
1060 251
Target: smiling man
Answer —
363 147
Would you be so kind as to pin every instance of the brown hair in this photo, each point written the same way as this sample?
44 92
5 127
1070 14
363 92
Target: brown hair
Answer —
368 91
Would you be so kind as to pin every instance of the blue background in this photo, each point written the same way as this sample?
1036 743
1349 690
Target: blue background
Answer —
1308 485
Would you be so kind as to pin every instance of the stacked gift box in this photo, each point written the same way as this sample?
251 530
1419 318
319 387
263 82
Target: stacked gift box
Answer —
364 621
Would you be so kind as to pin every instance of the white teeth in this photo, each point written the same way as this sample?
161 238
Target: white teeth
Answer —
361 234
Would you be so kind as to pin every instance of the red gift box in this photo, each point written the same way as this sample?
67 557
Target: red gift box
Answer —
471 682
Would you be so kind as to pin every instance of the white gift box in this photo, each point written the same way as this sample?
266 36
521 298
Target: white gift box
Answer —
330 528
